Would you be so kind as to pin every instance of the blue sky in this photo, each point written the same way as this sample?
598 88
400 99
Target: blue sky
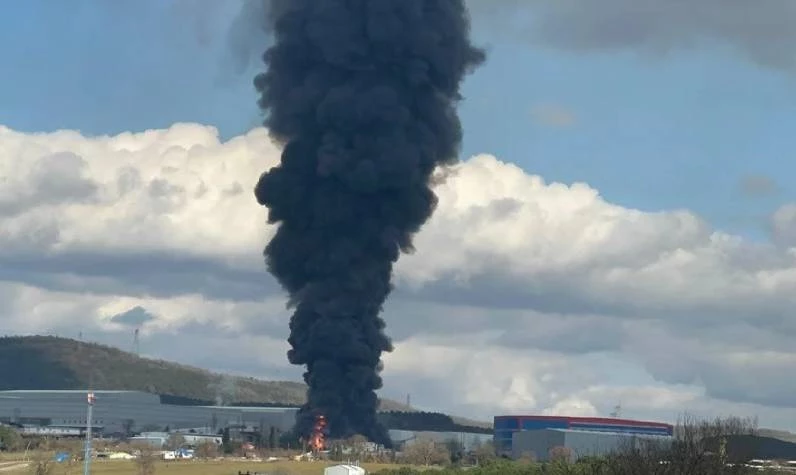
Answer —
680 131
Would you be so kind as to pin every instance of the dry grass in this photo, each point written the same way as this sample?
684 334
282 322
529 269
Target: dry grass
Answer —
222 467
194 467
6 457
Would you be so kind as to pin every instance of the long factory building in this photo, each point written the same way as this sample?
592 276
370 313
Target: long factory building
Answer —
539 436
124 412
117 413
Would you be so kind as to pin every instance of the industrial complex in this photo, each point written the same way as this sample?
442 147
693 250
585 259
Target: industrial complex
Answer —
128 413
540 436
149 416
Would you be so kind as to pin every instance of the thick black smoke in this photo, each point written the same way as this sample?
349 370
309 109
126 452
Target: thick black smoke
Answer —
362 94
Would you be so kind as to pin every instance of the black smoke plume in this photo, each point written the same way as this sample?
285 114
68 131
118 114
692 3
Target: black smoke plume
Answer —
362 95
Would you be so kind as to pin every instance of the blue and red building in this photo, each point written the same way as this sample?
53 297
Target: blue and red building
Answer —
506 426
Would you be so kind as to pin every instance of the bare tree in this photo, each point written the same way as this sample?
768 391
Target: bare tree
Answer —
455 449
705 447
484 452
146 459
356 443
560 453
175 441
207 450
42 463
10 439
527 457
424 451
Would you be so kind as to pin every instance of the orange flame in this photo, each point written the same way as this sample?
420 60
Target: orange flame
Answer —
317 438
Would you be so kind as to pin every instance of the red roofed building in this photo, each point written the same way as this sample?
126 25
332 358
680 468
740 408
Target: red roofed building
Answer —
506 426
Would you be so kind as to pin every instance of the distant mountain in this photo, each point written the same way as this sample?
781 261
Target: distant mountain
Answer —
782 435
46 362
761 447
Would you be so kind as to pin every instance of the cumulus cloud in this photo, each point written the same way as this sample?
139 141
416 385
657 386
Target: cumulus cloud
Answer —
522 295
156 197
564 249
760 31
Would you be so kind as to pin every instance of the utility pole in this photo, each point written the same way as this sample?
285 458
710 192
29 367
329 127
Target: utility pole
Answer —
89 416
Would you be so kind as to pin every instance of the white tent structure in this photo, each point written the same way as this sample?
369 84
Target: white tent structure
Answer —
344 470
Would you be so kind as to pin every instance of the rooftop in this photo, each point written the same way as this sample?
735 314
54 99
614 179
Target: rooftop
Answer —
587 420
592 432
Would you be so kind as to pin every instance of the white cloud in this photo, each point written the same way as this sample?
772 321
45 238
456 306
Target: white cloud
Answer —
540 239
502 379
160 190
522 295
572 406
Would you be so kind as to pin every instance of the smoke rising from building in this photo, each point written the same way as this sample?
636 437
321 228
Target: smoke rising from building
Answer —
362 95
225 389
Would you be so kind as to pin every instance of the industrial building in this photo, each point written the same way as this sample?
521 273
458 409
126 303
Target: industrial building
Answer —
126 412
538 436
467 440
63 413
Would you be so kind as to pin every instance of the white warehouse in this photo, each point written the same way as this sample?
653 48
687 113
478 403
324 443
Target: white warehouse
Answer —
344 470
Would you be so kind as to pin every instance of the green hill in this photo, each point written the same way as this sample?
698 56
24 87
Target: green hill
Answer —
45 362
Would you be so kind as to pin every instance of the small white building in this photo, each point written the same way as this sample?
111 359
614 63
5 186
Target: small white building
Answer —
120 456
199 439
344 470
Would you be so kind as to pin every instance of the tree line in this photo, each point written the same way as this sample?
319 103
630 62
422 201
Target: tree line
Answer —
721 446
